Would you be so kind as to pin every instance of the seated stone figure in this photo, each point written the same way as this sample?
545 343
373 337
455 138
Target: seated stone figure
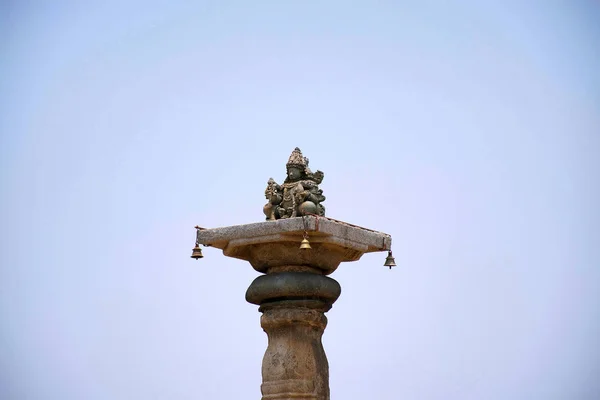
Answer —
299 194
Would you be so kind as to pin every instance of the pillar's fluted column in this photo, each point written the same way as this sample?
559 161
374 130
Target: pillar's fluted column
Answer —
294 293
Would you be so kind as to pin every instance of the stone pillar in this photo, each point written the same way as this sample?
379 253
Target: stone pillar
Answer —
293 304
294 293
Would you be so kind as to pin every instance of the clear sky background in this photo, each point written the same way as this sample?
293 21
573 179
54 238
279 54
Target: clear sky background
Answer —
469 131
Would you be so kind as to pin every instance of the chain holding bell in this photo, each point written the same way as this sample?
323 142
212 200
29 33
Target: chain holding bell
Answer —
389 260
197 252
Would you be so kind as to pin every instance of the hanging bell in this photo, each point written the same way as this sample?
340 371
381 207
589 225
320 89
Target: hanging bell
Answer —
197 252
305 244
389 260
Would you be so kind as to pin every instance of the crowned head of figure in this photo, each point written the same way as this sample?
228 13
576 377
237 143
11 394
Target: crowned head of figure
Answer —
297 166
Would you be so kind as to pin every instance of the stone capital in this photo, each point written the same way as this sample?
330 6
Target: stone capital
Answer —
271 246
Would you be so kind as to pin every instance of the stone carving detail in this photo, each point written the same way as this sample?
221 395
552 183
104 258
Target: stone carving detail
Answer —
299 194
294 365
293 304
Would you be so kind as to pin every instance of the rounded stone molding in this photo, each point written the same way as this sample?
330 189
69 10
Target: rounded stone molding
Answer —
297 286
280 317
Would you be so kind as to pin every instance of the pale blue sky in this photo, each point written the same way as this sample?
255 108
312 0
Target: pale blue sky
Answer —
469 131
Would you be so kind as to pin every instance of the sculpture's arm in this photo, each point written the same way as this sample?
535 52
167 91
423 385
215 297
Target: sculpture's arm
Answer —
314 197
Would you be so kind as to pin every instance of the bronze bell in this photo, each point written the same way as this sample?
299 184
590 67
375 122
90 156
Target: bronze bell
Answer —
197 252
389 260
305 244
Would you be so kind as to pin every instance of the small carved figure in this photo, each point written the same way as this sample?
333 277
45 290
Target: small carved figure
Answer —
272 193
299 194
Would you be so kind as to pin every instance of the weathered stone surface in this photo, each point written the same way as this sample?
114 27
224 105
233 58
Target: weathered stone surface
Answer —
274 244
294 365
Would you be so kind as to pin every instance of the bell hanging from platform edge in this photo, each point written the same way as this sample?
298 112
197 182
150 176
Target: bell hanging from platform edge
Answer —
197 252
389 260
305 244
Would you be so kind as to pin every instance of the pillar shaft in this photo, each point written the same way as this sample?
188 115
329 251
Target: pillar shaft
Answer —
293 305
294 365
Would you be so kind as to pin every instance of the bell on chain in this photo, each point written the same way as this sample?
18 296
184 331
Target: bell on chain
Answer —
197 252
305 244
389 260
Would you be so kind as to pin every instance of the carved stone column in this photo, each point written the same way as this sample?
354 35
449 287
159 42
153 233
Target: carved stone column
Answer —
294 306
294 293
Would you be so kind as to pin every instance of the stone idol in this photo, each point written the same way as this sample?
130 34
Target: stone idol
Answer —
298 195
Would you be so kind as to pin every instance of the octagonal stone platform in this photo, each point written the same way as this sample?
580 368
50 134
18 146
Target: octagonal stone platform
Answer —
270 246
